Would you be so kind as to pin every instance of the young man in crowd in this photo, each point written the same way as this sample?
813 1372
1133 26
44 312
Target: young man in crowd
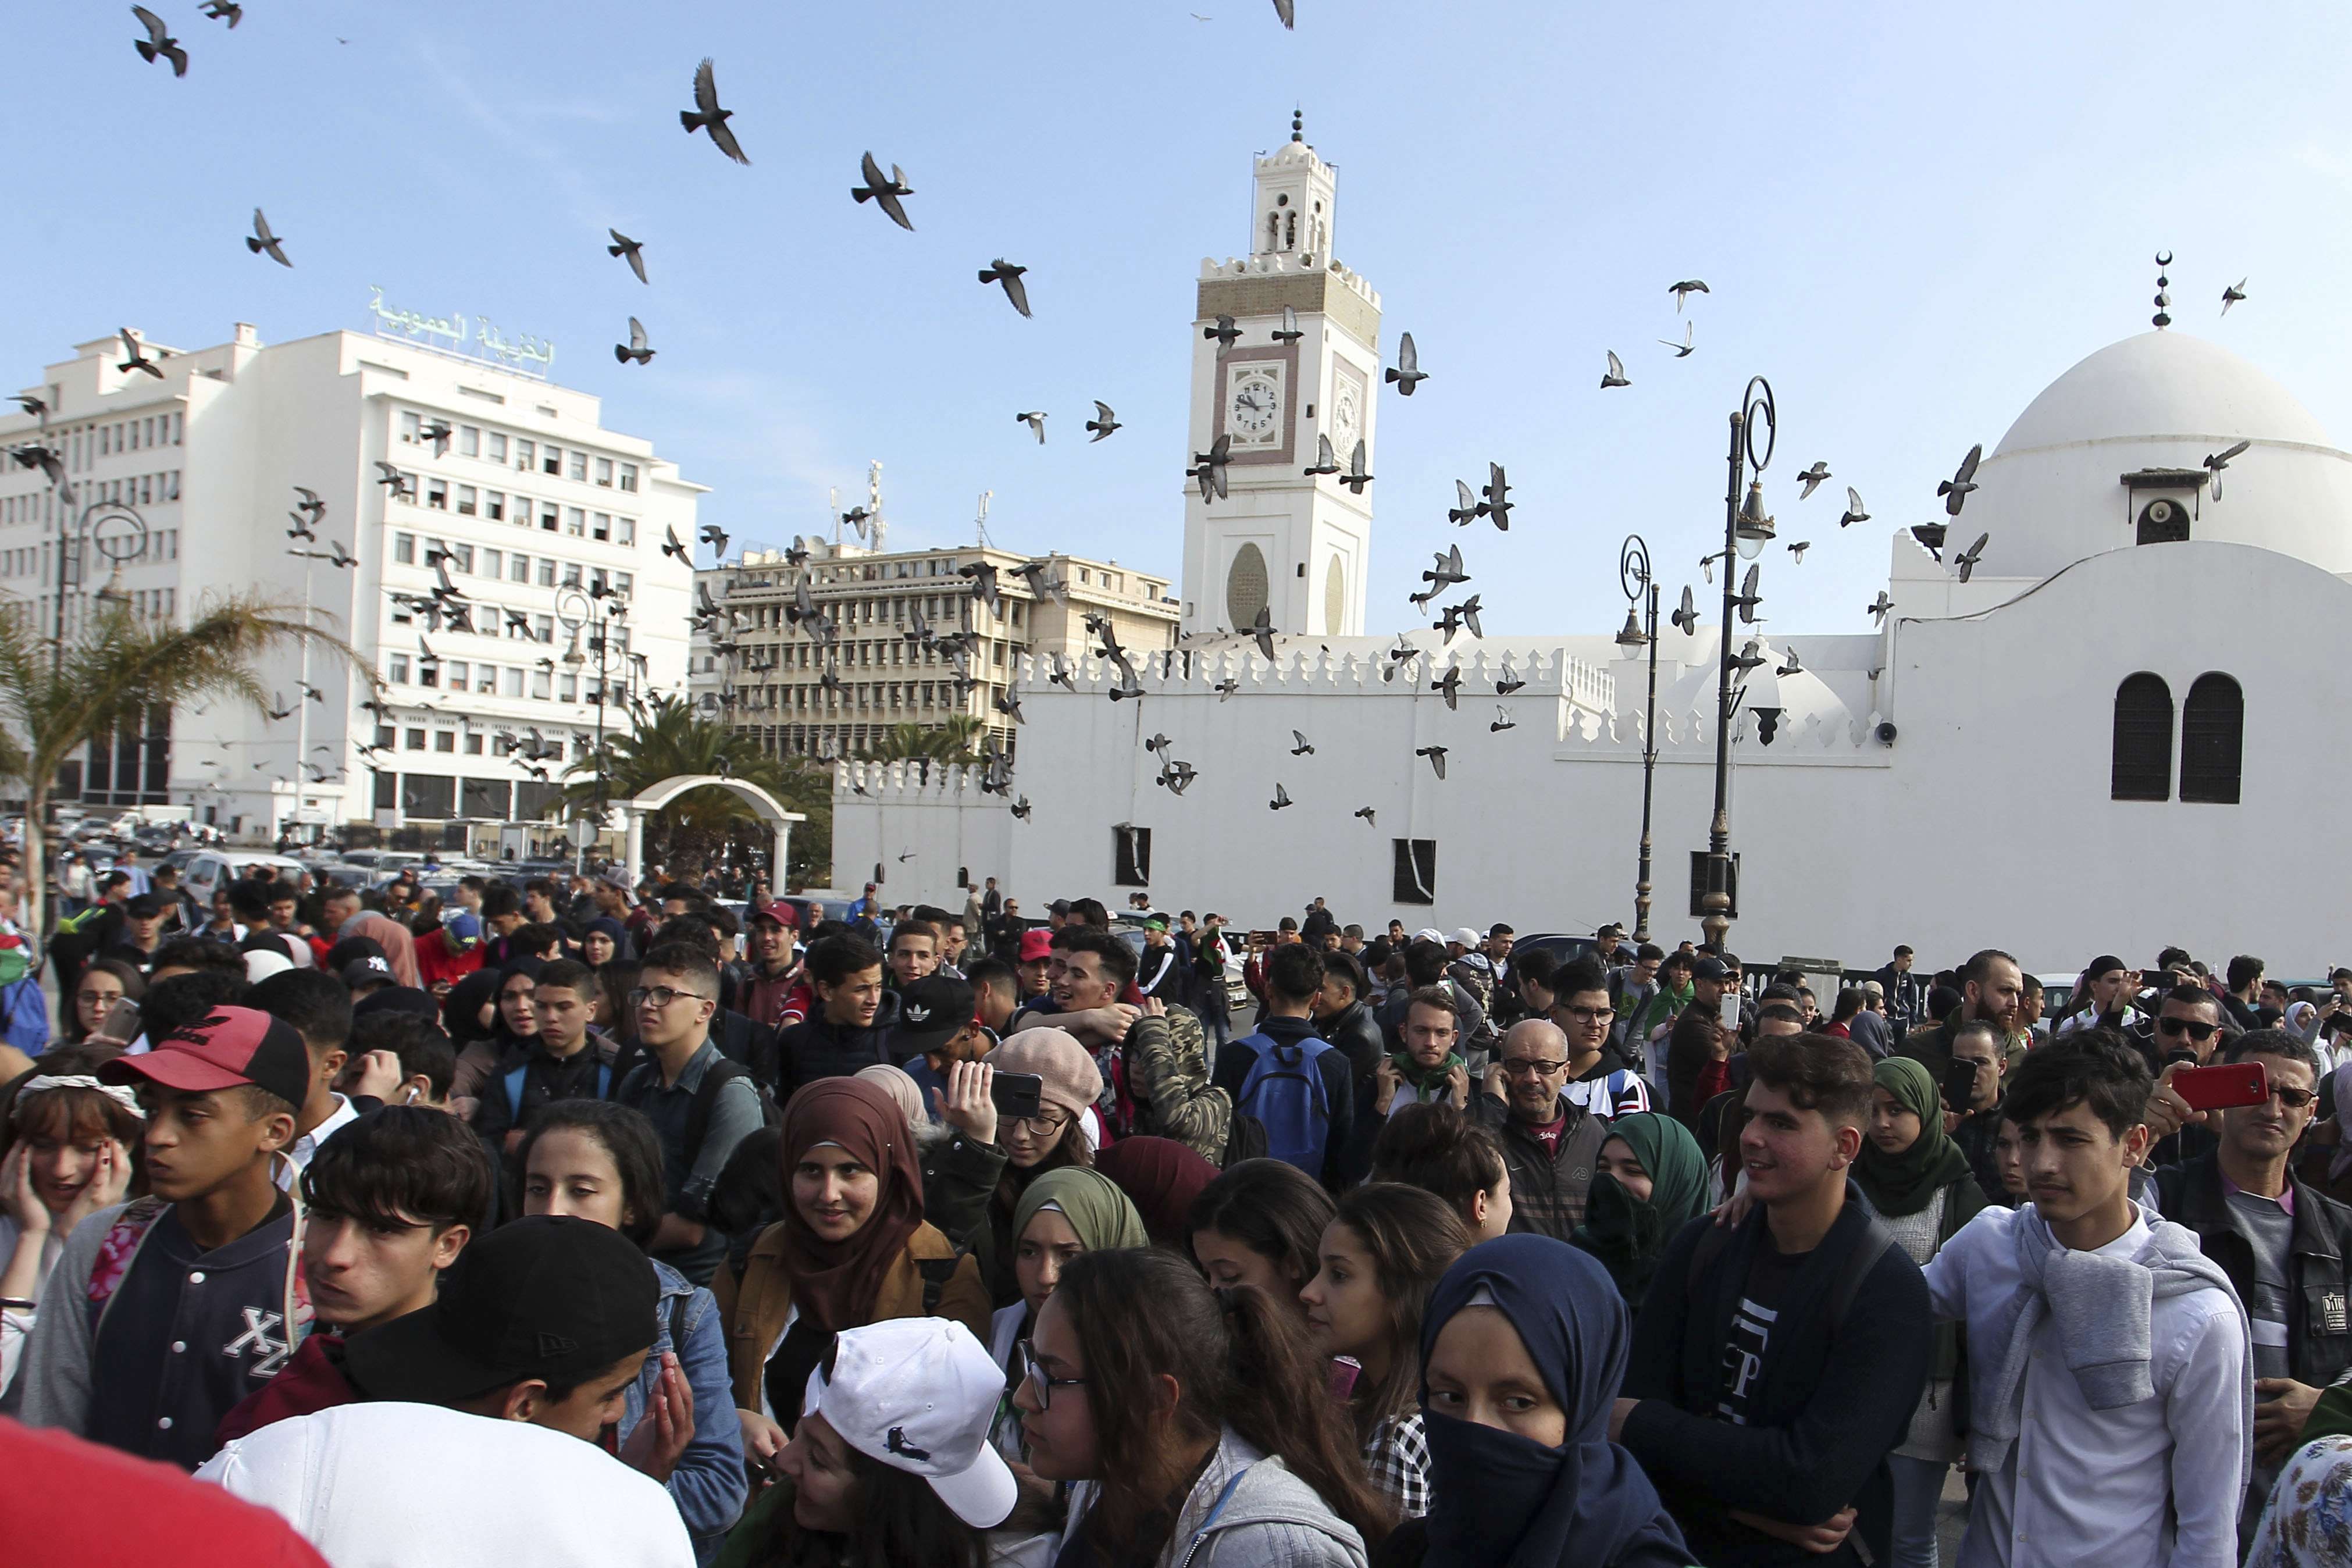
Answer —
914 952
1293 976
846 1030
995 993
1035 964
675 997
1977 1044
2286 1247
1990 984
181 916
450 953
563 1061
1090 969
196 1305
1550 1145
503 917
319 1008
1775 1365
2108 1357
939 1026
393 1202
1160 973
1429 1069
2113 989
1905 992
1343 1018
142 932
1425 965
514 1371
1599 1077
775 991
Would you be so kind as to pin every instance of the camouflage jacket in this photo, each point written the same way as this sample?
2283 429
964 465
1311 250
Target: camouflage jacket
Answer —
1168 1079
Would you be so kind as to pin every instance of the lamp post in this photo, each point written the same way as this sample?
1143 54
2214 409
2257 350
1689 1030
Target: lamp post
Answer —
592 611
1633 575
1746 530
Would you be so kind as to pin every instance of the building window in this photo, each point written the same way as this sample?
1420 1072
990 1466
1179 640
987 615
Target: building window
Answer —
498 448
544 626
605 472
579 468
519 567
411 427
1414 874
494 505
494 563
548 514
514 681
551 461
2142 767
387 792
2212 739
396 669
601 527
628 476
466 506
428 672
413 739
540 684
575 521
444 740
485 678
1130 856
469 441
403 549
427 796
627 530
384 738
2163 522
459 673
624 585
547 571
1246 587
526 455
473 745
572 574
570 691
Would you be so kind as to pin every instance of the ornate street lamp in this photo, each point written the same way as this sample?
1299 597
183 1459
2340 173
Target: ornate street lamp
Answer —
1755 430
1633 575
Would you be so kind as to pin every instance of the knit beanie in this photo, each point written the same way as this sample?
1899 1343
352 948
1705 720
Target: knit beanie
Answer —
1071 1081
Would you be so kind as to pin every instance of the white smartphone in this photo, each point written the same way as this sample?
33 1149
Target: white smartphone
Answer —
1731 1009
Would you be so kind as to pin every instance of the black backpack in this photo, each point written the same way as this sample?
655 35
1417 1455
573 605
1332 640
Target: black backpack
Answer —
721 1072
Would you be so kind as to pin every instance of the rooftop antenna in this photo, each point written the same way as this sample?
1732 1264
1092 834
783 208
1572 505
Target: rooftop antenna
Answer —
2163 299
980 522
875 525
833 507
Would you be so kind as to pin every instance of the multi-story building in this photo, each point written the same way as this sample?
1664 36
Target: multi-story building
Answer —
886 674
527 501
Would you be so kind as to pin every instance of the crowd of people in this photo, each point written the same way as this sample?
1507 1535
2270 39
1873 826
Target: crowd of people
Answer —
586 1222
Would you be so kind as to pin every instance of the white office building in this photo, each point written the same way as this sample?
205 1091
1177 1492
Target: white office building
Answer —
549 527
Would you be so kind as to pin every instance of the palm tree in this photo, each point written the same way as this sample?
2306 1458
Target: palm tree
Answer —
950 740
54 702
668 738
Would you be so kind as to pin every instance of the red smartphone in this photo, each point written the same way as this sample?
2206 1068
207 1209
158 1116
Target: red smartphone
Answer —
2224 1087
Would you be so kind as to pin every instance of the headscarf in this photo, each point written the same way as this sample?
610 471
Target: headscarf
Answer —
1904 1183
461 1009
1161 1177
399 947
1090 1201
902 1091
835 1283
623 950
1627 1233
1501 1501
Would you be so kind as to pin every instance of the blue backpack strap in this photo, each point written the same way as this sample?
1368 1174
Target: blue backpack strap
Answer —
604 1080
513 1081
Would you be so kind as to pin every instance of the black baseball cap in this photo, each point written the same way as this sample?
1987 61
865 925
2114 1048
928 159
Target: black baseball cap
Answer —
227 1047
931 1012
548 1297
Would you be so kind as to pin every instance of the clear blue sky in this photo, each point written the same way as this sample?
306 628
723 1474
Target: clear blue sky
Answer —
1912 220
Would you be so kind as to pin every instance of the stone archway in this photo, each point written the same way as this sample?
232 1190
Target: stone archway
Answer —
636 808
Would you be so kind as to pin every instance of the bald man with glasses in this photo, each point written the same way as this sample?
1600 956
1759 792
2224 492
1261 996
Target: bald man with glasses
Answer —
1551 1145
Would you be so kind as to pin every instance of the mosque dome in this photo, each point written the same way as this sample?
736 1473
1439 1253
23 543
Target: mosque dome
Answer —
2112 454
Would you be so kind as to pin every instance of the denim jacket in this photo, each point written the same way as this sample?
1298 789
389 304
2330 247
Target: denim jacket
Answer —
708 1484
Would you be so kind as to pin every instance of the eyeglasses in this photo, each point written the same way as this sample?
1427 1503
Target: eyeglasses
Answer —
1041 1125
1586 1014
2188 1026
661 995
2293 1098
1036 1377
1530 1066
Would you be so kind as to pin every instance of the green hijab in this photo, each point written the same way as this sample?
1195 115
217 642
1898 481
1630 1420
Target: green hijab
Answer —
1907 1182
1096 1208
1628 1234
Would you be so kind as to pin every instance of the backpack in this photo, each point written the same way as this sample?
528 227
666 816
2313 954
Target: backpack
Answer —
513 1081
1285 1093
722 1072
25 1012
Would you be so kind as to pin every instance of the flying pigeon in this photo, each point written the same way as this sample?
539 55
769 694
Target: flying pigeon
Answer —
1035 420
2217 461
1289 332
635 349
1956 489
1798 548
224 11
1879 607
1750 655
1854 509
1507 684
311 502
1406 373
2232 294
634 250
1223 334
1002 271
1287 10
1176 778
436 434
1355 479
158 42
1212 471
32 405
856 517
1684 349
261 240
281 711
1687 286
1104 422
52 466
311 692
1436 755
392 478
1262 630
707 115
137 361
1503 720
1300 746
1281 798
714 536
1966 559
1021 808
1060 675
1446 573
1366 813
1326 462
1791 667
1156 743
1467 508
884 193
1497 493
1748 599
1616 375
301 528
1811 478
1468 610
1450 685
339 556
1226 688
671 547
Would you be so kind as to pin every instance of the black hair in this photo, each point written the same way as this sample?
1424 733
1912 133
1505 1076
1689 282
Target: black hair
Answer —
195 952
534 940
1433 1146
914 927
569 974
2244 970
249 901
2275 1042
992 973
1351 973
1535 967
1980 965
424 1051
690 930
1965 1029
1848 1005
2088 1066
1273 1209
1117 958
1578 975
2189 994
540 886
899 1521
319 1006
628 1138
1817 1072
500 898
1424 962
173 1003
261 1104
831 961
685 961
1293 972
398 1164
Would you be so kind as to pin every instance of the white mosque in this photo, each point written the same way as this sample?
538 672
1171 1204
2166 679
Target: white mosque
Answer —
2126 731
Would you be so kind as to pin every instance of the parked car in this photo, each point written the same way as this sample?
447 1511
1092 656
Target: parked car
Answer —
208 870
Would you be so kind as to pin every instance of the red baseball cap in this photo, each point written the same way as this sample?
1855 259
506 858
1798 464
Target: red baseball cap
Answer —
783 914
1036 944
227 1047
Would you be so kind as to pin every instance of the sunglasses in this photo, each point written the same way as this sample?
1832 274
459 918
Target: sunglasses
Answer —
1530 1066
2188 1026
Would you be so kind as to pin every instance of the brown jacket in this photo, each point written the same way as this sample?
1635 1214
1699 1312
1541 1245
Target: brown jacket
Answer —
755 1308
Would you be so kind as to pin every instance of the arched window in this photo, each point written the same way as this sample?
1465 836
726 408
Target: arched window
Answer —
1247 585
1290 233
2212 739
2143 747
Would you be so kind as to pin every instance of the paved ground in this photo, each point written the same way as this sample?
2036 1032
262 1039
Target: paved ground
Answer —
1951 1517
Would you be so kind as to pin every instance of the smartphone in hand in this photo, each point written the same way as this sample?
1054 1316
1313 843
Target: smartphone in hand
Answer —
2224 1087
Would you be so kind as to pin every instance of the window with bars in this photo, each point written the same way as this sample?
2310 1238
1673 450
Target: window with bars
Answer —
2142 764
1413 876
2212 739
1130 856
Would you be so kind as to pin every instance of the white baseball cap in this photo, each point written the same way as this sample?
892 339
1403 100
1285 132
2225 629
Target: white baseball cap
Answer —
1430 933
1466 937
919 1394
